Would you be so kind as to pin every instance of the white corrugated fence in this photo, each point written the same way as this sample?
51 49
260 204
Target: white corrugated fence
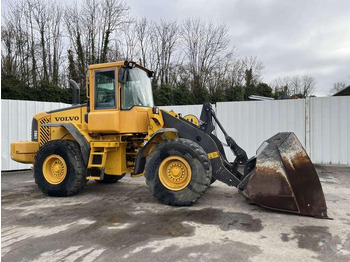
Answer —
321 124
250 123
330 130
16 121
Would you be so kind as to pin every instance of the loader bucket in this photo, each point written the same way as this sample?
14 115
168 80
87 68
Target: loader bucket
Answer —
284 178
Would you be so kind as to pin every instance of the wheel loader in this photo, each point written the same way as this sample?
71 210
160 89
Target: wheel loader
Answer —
119 131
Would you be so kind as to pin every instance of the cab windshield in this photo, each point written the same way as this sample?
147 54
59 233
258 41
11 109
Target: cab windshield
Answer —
136 88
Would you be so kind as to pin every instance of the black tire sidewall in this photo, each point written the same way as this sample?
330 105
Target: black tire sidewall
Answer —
70 157
201 171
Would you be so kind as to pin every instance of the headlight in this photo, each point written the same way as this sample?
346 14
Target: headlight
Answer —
155 110
34 130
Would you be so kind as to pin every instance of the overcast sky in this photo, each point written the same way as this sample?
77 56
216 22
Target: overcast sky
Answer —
293 37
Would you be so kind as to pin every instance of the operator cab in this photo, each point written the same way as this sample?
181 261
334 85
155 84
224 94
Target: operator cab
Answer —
119 92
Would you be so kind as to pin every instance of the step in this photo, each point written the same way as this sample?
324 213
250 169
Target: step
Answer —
104 144
98 153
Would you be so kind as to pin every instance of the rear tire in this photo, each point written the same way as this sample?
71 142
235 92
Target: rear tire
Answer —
178 172
59 168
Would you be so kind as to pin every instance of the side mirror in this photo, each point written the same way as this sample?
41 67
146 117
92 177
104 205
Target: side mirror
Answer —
150 74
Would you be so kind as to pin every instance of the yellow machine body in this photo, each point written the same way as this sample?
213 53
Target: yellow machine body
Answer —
119 129
24 152
109 132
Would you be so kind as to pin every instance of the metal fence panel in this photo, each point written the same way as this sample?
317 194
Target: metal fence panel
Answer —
16 122
326 120
322 124
252 122
330 130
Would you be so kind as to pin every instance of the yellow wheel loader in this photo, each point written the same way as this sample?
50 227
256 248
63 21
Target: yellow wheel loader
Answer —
119 131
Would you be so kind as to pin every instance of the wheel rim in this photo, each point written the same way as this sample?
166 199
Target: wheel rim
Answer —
175 173
54 169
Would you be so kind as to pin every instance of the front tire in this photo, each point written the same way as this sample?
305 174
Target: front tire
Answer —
59 168
178 172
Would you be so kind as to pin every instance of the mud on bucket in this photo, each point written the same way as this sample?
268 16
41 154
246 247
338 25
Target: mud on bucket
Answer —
284 178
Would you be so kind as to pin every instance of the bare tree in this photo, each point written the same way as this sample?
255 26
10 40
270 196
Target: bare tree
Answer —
236 72
301 86
115 15
57 43
204 46
308 85
15 40
252 67
73 25
338 86
295 85
143 37
280 82
167 35
92 30
193 57
41 17
128 43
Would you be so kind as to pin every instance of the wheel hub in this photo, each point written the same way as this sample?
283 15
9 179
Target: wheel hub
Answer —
54 169
175 173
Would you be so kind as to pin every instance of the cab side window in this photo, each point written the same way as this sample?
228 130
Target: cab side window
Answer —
105 89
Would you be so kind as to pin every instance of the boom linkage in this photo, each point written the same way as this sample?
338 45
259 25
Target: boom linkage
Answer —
207 116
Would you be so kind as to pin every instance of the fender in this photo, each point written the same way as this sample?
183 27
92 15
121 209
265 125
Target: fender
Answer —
159 136
73 130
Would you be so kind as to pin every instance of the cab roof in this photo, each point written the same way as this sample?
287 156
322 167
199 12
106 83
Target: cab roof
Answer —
117 64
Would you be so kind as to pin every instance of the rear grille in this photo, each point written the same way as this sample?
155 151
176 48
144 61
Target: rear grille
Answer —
44 131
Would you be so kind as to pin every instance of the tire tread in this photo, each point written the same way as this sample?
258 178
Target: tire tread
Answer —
201 155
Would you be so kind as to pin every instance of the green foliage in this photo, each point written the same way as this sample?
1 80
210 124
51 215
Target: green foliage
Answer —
200 94
249 77
281 93
72 70
218 95
261 89
162 95
264 89
234 93
56 94
12 88
182 95
249 90
298 96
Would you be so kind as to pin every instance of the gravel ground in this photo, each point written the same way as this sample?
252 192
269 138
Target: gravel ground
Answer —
124 222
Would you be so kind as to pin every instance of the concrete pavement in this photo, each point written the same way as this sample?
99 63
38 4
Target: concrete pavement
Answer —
124 222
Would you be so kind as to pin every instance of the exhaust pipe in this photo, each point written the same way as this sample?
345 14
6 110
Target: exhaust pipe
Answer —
76 92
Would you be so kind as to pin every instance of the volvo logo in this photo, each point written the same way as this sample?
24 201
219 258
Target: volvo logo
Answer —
67 118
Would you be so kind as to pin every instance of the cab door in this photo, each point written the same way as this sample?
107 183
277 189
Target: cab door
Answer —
104 107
